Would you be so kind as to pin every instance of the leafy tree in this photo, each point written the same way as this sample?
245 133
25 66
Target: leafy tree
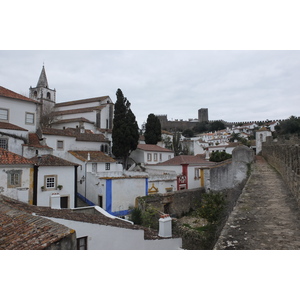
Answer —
219 156
206 126
290 126
217 125
176 143
188 133
125 133
234 137
201 127
152 130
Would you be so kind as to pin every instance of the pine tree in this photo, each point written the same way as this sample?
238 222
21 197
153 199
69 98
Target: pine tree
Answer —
125 133
153 130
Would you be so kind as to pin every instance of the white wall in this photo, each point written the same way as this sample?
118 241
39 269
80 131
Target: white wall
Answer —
102 237
65 177
14 144
20 193
17 111
125 191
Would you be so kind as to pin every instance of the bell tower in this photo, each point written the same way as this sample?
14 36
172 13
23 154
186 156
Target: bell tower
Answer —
42 92
46 96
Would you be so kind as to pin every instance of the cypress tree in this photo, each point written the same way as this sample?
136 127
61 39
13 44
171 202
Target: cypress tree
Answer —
125 133
153 130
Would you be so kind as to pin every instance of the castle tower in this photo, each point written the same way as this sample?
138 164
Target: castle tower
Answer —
43 94
203 115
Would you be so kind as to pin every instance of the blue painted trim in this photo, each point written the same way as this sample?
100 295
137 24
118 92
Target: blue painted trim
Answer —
147 186
108 195
87 201
120 213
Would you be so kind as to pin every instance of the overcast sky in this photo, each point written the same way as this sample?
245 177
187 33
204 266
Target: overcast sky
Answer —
233 85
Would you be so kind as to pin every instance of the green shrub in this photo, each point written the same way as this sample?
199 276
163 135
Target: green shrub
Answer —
211 207
219 156
136 216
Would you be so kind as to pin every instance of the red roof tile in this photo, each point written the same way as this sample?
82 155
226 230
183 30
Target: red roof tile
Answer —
51 160
5 125
69 214
186 159
95 156
76 111
10 158
20 230
74 132
148 147
33 141
82 101
10 94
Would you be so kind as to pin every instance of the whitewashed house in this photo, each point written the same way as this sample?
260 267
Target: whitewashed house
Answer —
146 154
64 140
91 228
16 176
35 146
12 137
18 110
54 176
102 182
188 168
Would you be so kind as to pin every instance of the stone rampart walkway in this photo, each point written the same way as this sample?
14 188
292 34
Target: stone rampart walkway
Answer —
265 217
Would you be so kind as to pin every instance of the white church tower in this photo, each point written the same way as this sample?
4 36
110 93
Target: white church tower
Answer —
43 93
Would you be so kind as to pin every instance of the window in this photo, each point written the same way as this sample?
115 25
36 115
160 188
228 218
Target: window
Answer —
3 114
197 173
149 157
51 182
48 96
60 145
4 144
14 178
94 168
107 166
98 119
155 156
29 118
160 156
82 243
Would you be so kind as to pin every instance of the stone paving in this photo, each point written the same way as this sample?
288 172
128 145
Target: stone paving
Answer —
266 216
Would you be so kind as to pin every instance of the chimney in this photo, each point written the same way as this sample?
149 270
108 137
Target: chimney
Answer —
89 156
165 226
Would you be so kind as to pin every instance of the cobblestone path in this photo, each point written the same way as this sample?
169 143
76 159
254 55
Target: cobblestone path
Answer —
265 217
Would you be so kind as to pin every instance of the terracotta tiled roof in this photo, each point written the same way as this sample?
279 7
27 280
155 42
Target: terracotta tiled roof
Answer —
70 214
148 147
20 230
72 132
82 101
33 141
10 94
4 125
77 110
73 120
51 160
186 159
95 156
10 158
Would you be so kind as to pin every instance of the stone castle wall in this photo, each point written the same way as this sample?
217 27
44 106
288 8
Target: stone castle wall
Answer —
284 156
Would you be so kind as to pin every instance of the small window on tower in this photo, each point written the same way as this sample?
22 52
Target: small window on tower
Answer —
48 96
